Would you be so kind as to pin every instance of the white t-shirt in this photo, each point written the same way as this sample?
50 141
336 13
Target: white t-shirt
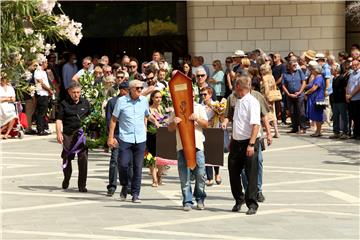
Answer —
41 75
199 136
246 114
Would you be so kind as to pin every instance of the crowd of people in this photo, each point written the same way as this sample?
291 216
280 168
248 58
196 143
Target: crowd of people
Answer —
260 91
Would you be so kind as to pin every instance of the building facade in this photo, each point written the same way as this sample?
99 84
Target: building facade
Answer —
217 28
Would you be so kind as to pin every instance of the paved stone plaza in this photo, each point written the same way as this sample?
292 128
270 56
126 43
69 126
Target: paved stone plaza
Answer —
311 187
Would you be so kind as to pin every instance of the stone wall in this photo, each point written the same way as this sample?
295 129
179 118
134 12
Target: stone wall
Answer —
217 28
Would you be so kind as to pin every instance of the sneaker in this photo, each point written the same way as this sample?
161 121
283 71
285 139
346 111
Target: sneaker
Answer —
334 136
83 189
260 197
200 205
123 193
187 207
136 199
65 184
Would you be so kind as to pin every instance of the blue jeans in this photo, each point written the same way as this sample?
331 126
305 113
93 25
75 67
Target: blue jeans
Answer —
340 111
260 172
200 177
113 169
128 151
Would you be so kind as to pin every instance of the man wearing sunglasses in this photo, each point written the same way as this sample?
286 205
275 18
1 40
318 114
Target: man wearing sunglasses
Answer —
201 80
130 111
151 83
86 65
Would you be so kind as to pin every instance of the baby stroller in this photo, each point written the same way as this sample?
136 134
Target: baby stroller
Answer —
20 123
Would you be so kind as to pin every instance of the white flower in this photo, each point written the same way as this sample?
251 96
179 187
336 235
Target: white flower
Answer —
28 31
40 57
33 49
46 6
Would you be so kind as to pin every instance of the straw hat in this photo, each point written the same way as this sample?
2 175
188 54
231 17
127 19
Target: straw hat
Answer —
310 54
239 53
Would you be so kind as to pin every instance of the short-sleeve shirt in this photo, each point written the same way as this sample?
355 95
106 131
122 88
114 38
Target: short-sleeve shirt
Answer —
219 86
199 136
72 114
339 88
131 114
278 70
354 81
246 114
41 75
293 81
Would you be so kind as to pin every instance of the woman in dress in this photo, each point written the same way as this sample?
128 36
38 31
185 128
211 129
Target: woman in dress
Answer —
8 114
159 114
269 84
315 93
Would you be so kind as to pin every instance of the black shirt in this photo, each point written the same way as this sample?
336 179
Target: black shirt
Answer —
277 71
339 88
72 114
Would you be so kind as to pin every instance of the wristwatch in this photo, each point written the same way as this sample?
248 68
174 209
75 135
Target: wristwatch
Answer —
251 144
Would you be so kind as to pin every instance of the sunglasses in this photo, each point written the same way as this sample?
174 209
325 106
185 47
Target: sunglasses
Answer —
150 78
214 65
200 75
120 77
107 71
139 88
203 94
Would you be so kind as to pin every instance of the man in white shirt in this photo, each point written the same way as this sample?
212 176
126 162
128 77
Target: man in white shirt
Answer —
200 120
86 65
244 146
151 83
43 91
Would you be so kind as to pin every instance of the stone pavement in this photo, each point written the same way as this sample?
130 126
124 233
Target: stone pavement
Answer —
311 187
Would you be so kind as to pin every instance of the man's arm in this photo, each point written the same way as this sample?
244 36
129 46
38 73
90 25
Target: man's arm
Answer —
254 132
111 140
197 120
59 135
303 85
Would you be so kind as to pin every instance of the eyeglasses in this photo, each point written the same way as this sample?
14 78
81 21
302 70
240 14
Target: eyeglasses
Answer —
149 78
139 88
200 75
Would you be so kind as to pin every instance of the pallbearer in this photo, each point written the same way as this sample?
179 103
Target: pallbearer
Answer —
187 124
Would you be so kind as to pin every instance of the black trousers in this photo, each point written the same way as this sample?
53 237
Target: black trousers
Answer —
354 113
42 104
296 107
69 141
238 160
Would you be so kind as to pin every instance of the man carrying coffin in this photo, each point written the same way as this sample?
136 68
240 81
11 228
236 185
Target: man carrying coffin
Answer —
200 120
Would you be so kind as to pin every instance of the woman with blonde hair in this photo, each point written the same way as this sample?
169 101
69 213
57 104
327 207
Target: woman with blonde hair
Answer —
245 63
268 85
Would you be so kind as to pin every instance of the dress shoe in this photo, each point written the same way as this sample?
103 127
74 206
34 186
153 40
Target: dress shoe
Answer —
65 184
292 131
110 192
251 211
237 207
83 189
43 133
260 197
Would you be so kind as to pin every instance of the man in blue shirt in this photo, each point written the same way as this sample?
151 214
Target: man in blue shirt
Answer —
131 111
326 72
353 97
293 85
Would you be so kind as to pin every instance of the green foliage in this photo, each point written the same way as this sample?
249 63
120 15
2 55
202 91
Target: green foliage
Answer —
156 27
94 125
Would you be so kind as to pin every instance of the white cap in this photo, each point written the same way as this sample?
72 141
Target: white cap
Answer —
320 56
239 53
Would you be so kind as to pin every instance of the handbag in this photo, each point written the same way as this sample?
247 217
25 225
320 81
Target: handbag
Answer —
274 95
320 105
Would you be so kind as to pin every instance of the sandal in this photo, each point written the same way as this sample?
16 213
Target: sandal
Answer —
218 181
154 184
315 135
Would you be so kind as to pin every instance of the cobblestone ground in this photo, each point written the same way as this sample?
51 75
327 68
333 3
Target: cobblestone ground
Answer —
311 187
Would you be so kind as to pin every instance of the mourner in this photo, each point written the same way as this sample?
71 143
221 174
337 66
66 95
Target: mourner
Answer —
70 113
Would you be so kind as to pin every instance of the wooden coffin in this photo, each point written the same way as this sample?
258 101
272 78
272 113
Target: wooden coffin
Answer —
182 96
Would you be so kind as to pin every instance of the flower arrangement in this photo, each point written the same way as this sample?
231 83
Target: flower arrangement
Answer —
94 125
29 30
219 110
149 160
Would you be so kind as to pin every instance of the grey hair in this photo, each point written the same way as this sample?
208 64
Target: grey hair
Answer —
244 81
74 84
336 67
317 68
135 83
